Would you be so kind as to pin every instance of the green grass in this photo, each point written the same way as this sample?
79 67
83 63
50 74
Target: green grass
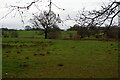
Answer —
0 65
0 57
66 34
59 58
31 34
40 34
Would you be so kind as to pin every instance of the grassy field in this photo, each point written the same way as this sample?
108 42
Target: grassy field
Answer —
40 58
0 66
40 34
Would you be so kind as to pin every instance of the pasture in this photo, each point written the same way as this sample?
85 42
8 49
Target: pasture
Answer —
49 58
40 34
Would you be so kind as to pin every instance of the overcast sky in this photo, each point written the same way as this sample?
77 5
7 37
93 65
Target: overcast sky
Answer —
13 20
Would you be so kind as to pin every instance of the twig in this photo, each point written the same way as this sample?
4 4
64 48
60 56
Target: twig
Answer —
57 6
21 16
7 14
112 20
27 7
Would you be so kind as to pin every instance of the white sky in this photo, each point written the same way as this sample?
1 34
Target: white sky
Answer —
71 7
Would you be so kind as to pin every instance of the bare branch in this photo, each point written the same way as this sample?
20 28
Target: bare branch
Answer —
57 6
112 20
21 16
27 7
7 14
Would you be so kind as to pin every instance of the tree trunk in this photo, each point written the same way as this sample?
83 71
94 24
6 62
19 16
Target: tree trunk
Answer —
46 35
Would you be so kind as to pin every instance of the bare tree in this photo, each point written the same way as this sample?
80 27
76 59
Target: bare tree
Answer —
44 20
22 9
99 17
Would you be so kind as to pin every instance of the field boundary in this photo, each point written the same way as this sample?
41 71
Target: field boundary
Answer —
111 40
93 39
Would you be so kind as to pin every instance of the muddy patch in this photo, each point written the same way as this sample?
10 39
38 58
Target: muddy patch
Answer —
27 58
60 65
24 65
109 51
39 54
